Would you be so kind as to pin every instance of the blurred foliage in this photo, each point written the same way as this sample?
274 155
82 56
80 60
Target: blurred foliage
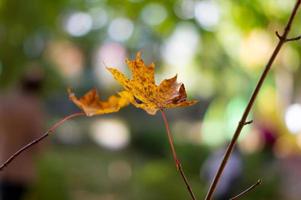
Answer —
221 70
82 173
22 22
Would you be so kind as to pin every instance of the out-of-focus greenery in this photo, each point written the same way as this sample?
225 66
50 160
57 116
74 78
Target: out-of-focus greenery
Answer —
220 67
23 24
82 173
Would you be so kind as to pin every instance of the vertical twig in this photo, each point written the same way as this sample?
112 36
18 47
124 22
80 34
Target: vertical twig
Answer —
174 154
27 146
282 39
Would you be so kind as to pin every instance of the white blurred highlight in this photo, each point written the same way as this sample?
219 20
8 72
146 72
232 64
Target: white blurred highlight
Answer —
207 14
293 117
121 29
110 54
178 54
112 134
181 46
78 24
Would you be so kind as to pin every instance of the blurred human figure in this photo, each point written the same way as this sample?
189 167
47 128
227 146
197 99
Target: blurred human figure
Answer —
231 174
21 120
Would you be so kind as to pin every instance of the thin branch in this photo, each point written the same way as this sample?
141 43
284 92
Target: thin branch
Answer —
287 39
248 122
252 187
32 143
244 117
278 35
174 154
293 39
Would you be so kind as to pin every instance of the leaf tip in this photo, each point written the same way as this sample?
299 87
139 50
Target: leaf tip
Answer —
138 55
71 94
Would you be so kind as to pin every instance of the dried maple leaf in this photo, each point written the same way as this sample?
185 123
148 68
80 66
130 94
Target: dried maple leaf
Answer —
145 93
91 104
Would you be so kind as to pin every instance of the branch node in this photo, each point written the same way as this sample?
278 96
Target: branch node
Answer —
248 122
279 36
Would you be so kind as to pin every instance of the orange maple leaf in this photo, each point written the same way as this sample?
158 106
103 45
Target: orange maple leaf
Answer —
91 104
145 93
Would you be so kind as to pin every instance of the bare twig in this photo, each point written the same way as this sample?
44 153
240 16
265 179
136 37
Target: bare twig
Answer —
293 39
47 133
242 123
278 35
287 39
252 187
249 122
174 154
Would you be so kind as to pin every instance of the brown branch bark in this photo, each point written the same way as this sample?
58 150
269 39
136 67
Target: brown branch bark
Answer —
39 139
282 39
175 157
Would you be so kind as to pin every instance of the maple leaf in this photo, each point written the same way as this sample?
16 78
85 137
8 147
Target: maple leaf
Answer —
91 104
145 93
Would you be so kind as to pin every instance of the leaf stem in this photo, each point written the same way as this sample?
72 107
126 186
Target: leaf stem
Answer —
252 187
282 39
175 157
37 140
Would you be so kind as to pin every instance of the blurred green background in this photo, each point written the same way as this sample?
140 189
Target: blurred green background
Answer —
217 48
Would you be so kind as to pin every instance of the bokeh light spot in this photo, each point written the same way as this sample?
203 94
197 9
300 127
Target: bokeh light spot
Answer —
121 29
292 118
99 18
184 9
207 14
181 46
153 14
67 58
252 142
111 134
109 54
78 24
255 49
